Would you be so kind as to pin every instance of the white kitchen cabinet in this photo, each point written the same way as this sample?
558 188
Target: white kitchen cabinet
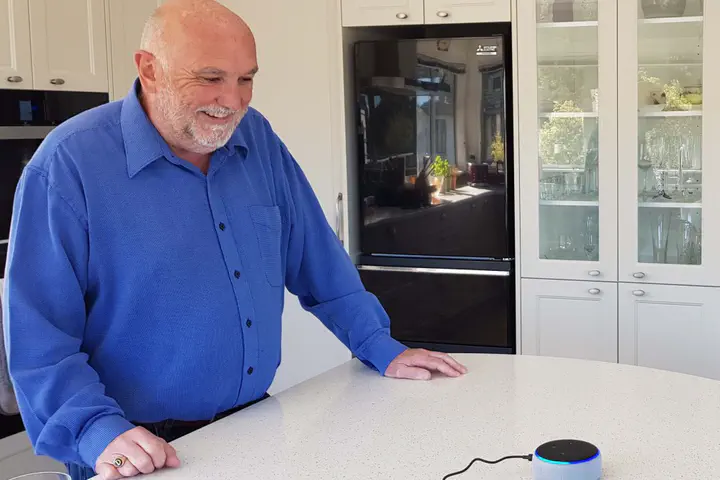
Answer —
668 327
69 49
668 128
362 13
568 141
304 37
570 319
15 65
127 21
467 11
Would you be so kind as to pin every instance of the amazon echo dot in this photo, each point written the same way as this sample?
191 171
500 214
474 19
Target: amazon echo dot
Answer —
567 460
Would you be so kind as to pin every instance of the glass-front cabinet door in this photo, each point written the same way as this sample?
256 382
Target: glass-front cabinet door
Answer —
669 141
567 69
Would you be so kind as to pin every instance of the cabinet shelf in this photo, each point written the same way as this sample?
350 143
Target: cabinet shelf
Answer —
670 65
548 25
568 65
681 113
568 115
652 204
670 20
570 203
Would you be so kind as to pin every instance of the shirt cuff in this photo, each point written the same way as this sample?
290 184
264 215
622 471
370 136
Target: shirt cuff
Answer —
99 434
382 351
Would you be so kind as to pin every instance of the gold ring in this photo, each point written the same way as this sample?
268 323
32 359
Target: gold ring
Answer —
119 461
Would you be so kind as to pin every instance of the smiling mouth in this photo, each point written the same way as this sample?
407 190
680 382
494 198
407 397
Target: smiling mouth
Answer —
216 118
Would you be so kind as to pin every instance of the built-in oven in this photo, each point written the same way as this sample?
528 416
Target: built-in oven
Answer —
26 118
457 309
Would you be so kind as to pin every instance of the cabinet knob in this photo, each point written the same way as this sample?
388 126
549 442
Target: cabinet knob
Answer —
639 275
14 79
402 16
639 293
594 291
443 14
57 81
594 273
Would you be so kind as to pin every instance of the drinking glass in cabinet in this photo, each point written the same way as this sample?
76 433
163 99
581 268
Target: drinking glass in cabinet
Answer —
569 232
670 236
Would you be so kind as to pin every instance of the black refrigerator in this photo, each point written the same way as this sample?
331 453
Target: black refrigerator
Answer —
435 184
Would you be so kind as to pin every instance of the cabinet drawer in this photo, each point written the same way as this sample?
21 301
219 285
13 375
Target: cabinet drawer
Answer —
363 13
467 11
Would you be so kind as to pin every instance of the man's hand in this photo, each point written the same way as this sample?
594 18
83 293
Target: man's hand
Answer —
141 452
418 364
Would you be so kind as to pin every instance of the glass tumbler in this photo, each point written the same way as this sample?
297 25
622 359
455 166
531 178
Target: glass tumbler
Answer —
43 476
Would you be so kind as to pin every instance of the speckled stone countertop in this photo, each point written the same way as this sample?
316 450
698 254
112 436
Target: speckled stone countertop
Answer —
351 423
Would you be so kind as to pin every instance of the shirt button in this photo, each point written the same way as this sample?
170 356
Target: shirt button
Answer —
250 370
237 274
222 226
248 323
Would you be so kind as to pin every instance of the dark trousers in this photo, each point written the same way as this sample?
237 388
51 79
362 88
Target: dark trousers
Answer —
168 430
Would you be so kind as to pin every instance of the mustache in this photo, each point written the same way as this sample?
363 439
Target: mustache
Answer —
218 111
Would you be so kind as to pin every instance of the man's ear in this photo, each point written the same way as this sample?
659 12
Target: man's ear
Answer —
147 68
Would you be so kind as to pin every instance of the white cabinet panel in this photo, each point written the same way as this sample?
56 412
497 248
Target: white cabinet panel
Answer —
568 141
357 13
127 20
15 66
69 49
670 328
569 319
467 11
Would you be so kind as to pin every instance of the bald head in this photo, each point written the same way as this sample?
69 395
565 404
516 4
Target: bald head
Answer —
196 65
178 22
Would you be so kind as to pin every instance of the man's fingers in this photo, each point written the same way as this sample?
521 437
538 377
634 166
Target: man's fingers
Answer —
172 459
138 457
432 363
412 373
450 361
154 447
107 472
128 469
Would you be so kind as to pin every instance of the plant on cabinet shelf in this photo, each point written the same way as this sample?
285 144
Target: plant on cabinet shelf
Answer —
666 97
561 138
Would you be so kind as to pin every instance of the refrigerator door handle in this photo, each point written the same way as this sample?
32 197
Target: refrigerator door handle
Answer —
339 218
442 271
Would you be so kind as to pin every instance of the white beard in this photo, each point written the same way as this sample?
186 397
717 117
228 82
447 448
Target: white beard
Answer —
186 127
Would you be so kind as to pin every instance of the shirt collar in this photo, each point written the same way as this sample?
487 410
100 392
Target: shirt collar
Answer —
143 143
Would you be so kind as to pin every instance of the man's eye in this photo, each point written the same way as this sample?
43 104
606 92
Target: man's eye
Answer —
246 79
212 79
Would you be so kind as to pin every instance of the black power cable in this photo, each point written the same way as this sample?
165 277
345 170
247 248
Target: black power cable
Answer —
490 462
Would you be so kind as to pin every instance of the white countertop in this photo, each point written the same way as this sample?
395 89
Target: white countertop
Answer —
351 423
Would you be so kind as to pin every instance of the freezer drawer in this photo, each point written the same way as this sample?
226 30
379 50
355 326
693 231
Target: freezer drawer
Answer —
446 309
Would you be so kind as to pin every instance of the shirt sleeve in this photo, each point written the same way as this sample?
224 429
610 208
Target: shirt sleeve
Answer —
62 401
320 272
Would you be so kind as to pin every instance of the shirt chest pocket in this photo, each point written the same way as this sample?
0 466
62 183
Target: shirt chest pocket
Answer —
267 224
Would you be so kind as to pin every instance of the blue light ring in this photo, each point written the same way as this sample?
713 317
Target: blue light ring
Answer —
555 462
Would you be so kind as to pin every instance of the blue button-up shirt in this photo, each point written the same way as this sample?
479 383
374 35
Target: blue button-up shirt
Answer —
140 289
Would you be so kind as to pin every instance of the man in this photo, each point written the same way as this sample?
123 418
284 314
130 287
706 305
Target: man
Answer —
151 243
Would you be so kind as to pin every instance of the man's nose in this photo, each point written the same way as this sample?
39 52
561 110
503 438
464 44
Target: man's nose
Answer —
235 96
